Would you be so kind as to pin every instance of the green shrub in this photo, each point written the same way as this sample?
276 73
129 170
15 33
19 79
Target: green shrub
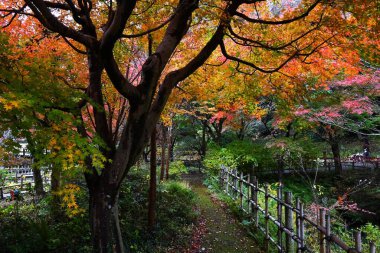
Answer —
237 154
175 214
32 228
177 168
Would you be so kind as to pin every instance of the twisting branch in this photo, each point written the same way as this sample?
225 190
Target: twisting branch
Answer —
45 16
256 43
70 85
129 36
174 77
112 33
75 12
277 22
216 65
250 64
62 6
73 47
15 12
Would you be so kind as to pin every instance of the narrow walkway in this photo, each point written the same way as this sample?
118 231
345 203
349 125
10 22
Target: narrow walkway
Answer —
223 234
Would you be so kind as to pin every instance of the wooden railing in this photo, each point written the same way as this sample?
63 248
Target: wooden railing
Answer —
353 162
7 189
289 229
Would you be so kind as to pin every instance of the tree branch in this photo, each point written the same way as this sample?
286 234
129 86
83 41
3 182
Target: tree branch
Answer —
277 22
129 36
45 16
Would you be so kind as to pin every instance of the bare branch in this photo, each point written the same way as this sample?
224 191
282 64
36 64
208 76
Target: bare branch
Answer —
278 22
148 31
250 64
70 85
73 47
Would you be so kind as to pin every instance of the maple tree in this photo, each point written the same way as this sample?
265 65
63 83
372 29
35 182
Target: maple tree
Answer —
347 105
110 38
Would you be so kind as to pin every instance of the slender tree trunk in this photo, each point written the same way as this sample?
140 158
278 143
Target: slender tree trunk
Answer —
152 183
169 153
145 155
241 132
38 182
163 151
55 179
280 164
116 227
55 184
334 143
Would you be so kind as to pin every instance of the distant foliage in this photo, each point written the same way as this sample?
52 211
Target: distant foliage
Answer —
237 154
176 168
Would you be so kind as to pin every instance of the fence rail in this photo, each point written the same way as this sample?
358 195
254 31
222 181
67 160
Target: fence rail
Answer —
8 190
285 230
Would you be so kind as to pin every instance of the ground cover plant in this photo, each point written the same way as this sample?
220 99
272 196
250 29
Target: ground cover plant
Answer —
31 227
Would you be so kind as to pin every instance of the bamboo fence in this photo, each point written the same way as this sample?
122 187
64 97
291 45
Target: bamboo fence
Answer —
289 229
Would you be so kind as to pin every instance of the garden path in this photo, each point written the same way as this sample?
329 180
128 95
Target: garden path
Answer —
223 232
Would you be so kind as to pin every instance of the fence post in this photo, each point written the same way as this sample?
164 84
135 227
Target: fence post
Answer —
266 218
1 193
322 215
328 232
249 190
236 177
358 241
279 218
372 247
233 184
227 181
254 199
221 177
300 226
298 230
241 190
289 222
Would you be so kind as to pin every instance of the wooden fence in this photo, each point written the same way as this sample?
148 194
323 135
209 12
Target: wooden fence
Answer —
22 178
6 190
353 162
289 229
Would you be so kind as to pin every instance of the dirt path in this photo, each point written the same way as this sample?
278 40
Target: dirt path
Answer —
223 234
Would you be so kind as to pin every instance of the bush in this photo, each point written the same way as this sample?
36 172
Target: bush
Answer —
237 154
175 214
32 228
177 168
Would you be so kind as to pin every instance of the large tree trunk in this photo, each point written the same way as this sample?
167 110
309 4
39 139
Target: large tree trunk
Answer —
101 205
152 183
